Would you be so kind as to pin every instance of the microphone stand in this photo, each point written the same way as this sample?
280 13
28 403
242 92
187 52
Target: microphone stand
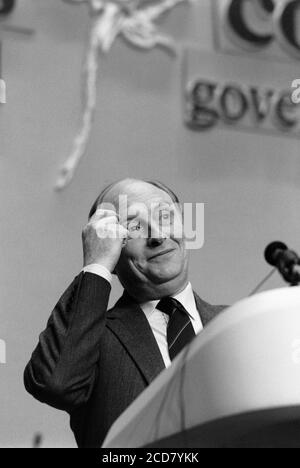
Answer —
260 285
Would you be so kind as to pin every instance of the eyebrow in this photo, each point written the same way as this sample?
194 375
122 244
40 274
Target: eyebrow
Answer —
129 218
164 204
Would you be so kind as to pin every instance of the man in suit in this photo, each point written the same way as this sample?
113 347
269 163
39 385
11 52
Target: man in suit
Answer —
93 362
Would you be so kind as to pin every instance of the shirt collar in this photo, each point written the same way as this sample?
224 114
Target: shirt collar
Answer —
186 299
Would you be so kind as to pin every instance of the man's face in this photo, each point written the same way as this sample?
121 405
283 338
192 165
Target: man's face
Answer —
153 263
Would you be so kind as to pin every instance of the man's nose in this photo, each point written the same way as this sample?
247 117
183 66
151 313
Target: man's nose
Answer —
155 241
155 236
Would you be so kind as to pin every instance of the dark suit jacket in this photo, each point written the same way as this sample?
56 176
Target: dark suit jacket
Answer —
93 363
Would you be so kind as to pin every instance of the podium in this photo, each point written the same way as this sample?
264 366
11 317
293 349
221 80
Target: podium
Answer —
236 385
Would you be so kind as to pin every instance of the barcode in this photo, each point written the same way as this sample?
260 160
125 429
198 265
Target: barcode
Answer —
2 92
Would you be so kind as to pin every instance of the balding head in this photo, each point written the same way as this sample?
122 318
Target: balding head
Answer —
111 193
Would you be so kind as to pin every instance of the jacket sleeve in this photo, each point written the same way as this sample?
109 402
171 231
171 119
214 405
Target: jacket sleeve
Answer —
62 368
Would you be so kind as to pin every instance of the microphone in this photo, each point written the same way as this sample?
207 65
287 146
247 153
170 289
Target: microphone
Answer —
285 260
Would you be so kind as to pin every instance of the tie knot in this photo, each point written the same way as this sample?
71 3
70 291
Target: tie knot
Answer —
169 305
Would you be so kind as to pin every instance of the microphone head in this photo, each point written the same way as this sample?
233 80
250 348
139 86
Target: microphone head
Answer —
270 252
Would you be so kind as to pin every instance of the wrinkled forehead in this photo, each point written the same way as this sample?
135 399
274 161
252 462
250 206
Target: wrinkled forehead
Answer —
131 196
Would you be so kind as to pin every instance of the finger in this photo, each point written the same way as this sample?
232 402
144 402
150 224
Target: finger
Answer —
114 231
123 233
110 229
105 222
100 213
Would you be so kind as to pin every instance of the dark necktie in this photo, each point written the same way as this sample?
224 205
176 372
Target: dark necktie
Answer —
180 330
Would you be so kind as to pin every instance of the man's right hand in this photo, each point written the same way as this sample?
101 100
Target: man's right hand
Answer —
103 239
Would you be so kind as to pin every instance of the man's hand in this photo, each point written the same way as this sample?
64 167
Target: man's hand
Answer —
102 239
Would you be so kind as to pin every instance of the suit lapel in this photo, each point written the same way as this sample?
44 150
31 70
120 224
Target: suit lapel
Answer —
128 322
207 311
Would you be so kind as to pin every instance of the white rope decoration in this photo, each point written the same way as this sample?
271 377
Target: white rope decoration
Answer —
110 19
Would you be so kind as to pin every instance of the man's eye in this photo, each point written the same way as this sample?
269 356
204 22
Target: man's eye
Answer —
136 226
165 216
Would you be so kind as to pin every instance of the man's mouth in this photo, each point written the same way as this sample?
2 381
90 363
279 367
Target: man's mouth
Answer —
160 254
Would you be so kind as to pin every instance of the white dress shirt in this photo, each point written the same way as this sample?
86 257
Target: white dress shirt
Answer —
158 321
99 270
